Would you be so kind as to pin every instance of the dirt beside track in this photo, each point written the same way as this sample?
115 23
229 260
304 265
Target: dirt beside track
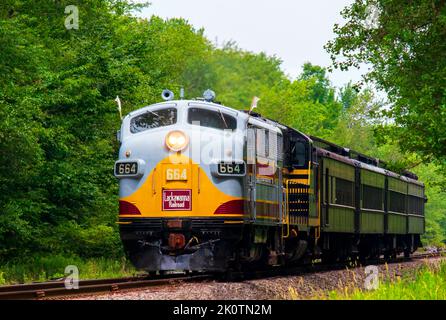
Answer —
305 286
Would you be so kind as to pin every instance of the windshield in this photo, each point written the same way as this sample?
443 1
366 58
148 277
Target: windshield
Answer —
211 119
153 119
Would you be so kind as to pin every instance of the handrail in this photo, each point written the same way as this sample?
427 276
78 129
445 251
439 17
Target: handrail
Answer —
287 213
154 181
198 180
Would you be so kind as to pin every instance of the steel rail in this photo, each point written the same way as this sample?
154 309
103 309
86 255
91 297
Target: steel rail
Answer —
40 290
309 268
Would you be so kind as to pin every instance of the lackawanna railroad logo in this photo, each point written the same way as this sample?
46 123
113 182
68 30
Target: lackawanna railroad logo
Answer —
177 200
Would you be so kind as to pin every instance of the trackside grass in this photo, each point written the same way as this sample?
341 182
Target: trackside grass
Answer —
43 268
426 283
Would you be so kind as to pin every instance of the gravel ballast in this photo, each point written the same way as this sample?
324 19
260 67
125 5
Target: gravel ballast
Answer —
303 286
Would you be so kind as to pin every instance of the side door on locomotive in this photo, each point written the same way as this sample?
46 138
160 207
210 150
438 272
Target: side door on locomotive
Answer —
264 190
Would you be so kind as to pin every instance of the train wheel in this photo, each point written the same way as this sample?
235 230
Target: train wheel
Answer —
232 276
329 257
407 253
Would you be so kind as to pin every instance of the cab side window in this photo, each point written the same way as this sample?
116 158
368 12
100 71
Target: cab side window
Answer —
299 153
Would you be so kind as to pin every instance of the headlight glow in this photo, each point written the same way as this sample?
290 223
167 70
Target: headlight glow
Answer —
176 140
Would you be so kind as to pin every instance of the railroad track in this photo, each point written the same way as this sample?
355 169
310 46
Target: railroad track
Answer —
39 290
320 267
428 255
57 288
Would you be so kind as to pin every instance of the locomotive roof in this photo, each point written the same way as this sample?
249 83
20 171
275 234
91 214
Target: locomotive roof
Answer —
262 122
182 102
363 165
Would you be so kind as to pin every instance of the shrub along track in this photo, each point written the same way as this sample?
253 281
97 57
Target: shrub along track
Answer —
57 288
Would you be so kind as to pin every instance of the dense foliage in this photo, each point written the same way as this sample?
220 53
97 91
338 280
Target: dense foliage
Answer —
58 117
405 44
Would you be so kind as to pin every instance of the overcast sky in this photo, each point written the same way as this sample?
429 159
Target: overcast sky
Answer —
293 30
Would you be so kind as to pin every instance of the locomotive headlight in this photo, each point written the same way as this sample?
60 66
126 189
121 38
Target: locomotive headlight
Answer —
176 140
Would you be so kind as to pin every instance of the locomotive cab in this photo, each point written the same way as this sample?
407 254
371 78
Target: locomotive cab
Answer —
182 175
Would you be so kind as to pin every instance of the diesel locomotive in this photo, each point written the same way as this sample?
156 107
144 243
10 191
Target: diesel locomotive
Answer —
205 187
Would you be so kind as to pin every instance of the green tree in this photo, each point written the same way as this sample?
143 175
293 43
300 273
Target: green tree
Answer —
348 95
404 42
58 117
322 92
291 103
241 75
355 129
433 177
321 89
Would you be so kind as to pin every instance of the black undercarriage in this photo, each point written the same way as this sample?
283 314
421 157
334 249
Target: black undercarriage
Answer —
197 244
193 244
